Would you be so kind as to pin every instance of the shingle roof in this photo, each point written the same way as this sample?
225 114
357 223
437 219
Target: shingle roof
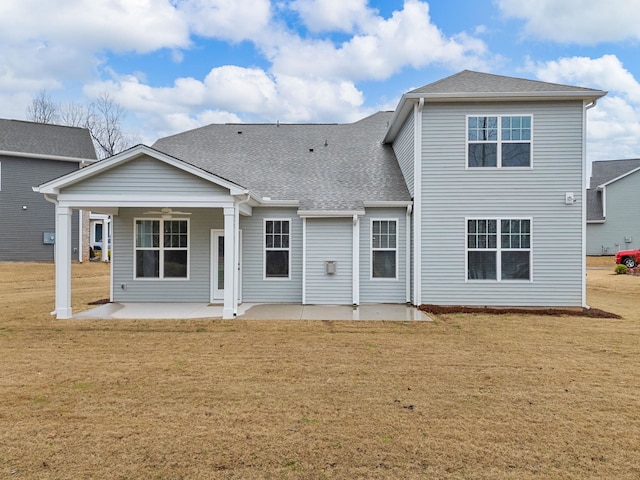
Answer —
468 81
324 166
603 172
45 139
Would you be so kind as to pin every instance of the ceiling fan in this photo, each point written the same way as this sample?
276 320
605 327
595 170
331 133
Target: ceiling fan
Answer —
167 213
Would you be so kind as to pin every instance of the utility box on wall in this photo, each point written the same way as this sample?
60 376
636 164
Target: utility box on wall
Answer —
330 267
48 238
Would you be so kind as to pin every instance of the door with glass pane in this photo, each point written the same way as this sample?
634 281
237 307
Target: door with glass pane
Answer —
217 265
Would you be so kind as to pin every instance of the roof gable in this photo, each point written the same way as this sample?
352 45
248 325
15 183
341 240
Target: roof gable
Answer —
603 173
116 162
40 139
467 82
469 86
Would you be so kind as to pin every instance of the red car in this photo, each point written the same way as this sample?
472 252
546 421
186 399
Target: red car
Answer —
631 258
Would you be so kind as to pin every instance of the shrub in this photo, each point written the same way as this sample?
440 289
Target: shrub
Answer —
621 269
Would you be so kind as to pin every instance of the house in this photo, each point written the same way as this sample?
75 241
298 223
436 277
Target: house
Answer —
613 206
471 193
32 153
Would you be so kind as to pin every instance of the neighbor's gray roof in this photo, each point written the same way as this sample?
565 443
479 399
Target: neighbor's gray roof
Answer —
603 172
324 166
468 81
45 139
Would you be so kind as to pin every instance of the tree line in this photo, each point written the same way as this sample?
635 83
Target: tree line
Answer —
103 118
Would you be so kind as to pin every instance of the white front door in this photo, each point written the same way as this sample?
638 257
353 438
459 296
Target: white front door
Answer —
217 266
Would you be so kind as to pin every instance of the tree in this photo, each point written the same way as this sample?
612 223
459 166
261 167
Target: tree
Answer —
42 109
103 118
104 122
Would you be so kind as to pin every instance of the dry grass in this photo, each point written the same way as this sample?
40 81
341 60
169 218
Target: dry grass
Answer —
466 396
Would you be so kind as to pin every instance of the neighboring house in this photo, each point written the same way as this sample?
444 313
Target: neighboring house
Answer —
613 207
470 193
32 153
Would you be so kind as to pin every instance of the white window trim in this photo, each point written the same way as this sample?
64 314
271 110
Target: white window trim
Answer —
498 250
383 279
161 249
264 249
499 141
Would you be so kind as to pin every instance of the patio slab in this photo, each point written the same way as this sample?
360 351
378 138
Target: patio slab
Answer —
253 311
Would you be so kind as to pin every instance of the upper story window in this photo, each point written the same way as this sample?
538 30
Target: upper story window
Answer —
499 141
277 256
162 249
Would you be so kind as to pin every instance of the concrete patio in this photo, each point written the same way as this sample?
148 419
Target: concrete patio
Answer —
254 311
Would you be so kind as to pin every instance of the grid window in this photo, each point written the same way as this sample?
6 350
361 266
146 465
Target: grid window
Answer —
162 249
508 259
277 251
384 250
507 146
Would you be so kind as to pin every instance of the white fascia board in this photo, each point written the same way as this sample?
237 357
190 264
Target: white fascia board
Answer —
145 201
40 156
507 96
54 186
602 185
330 213
402 111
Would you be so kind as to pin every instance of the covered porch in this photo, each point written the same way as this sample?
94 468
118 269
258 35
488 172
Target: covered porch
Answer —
163 213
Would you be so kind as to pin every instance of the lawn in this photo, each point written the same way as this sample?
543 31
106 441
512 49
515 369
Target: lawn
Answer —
463 397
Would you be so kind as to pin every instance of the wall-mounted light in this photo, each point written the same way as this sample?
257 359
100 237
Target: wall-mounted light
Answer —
24 207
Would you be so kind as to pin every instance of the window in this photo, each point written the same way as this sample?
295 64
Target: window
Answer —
162 249
384 248
499 249
276 248
499 141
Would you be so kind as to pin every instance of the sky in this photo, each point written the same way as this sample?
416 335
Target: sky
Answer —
175 65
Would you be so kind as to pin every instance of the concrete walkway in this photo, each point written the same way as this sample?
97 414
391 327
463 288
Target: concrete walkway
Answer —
255 311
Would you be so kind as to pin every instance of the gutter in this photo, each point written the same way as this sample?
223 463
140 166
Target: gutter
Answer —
41 156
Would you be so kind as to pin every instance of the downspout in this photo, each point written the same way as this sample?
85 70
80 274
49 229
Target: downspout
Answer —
584 202
236 253
407 250
417 204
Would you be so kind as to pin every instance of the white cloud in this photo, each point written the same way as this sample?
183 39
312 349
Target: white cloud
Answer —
407 38
233 94
333 15
614 125
234 20
121 25
577 21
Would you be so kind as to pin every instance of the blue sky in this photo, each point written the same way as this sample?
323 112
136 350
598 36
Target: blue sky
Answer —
179 64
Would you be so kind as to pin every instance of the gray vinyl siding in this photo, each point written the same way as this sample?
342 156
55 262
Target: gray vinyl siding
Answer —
22 229
145 175
329 239
451 193
195 289
403 146
621 223
383 290
255 287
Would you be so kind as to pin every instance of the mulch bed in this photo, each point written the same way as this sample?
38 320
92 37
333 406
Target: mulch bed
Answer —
579 312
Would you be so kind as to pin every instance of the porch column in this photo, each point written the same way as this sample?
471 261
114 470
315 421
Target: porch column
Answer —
62 258
356 260
230 263
106 225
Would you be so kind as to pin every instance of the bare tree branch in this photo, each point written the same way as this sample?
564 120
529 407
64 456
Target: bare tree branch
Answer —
103 118
43 109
